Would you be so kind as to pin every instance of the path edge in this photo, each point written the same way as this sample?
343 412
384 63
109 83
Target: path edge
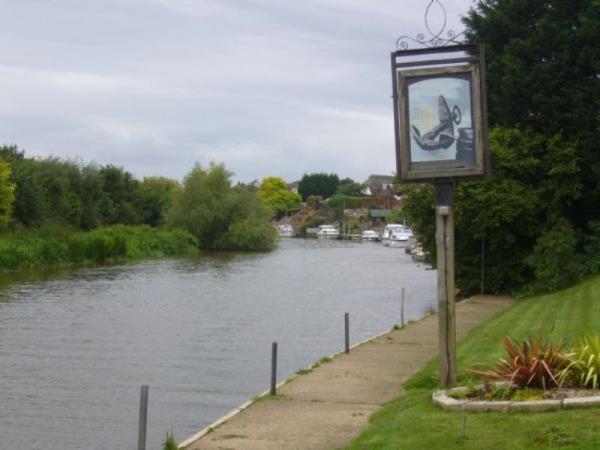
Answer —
203 432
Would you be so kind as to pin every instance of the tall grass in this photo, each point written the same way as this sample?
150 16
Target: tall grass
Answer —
55 246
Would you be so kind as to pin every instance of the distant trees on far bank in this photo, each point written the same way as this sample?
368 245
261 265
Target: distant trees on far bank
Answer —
322 184
274 192
219 215
41 192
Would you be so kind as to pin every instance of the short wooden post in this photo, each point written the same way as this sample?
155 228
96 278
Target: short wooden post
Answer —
402 307
274 369
347 332
143 417
445 273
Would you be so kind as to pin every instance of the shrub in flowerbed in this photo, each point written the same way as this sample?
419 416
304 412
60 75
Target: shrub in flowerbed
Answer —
532 363
584 367
537 369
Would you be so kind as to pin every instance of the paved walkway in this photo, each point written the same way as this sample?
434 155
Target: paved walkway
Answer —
329 406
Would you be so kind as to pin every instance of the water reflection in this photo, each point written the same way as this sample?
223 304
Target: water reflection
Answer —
76 344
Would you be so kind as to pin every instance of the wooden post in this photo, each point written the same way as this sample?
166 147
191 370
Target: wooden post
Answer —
444 225
274 369
347 332
143 417
482 263
402 308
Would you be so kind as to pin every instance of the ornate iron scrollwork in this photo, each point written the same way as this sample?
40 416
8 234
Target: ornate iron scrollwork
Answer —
437 39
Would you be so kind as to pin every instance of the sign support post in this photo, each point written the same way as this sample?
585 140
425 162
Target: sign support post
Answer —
440 124
444 226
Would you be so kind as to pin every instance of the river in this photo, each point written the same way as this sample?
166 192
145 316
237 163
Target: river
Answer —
76 346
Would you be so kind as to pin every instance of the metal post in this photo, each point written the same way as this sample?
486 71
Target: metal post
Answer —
274 369
347 332
143 417
445 272
402 308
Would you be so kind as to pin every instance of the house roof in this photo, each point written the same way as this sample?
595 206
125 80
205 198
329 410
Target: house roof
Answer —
376 182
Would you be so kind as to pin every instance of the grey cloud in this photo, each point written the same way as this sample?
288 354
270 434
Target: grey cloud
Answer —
267 87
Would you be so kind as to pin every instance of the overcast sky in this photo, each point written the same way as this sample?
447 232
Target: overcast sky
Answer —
269 87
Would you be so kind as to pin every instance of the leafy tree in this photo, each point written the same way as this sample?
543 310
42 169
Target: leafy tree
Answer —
508 212
7 195
155 197
322 184
352 189
274 192
118 202
535 214
219 215
543 75
396 216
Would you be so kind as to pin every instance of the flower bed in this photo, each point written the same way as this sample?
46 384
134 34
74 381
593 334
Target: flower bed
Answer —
459 399
536 375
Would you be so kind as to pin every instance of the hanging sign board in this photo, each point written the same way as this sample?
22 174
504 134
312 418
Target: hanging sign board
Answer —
440 115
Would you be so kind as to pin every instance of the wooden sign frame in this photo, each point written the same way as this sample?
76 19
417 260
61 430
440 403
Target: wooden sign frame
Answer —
406 74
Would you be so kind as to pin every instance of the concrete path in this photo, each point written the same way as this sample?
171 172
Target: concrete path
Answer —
329 406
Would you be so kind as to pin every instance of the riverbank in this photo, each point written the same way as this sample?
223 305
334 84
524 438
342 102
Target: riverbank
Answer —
412 421
329 405
58 246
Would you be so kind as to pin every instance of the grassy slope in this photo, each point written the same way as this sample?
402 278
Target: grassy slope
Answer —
413 422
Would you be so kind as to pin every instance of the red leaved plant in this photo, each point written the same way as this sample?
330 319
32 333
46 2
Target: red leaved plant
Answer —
531 363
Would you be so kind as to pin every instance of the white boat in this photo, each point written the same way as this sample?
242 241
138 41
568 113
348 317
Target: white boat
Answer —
327 232
370 235
285 230
396 235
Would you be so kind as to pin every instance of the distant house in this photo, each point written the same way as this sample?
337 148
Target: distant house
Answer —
379 184
293 186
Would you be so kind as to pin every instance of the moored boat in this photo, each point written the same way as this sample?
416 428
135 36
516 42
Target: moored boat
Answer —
370 235
396 235
327 232
285 230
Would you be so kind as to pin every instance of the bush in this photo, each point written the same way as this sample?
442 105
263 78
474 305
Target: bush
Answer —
169 442
339 201
584 368
532 363
553 259
218 214
250 234
46 247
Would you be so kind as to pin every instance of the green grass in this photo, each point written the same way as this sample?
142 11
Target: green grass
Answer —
57 246
412 421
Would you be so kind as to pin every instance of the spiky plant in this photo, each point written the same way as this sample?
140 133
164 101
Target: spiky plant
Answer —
584 368
533 363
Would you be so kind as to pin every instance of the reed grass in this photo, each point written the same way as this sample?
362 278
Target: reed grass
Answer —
56 246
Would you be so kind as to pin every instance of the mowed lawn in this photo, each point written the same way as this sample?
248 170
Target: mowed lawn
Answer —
412 421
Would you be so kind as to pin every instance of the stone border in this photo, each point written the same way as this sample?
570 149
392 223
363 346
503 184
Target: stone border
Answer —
445 401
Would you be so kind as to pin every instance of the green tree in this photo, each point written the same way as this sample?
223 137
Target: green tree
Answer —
274 192
118 203
323 184
535 214
506 213
154 200
351 188
219 215
7 194
543 65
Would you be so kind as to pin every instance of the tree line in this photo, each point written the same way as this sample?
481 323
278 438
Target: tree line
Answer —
535 222
43 192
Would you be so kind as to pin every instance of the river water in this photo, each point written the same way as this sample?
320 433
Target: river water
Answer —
76 346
